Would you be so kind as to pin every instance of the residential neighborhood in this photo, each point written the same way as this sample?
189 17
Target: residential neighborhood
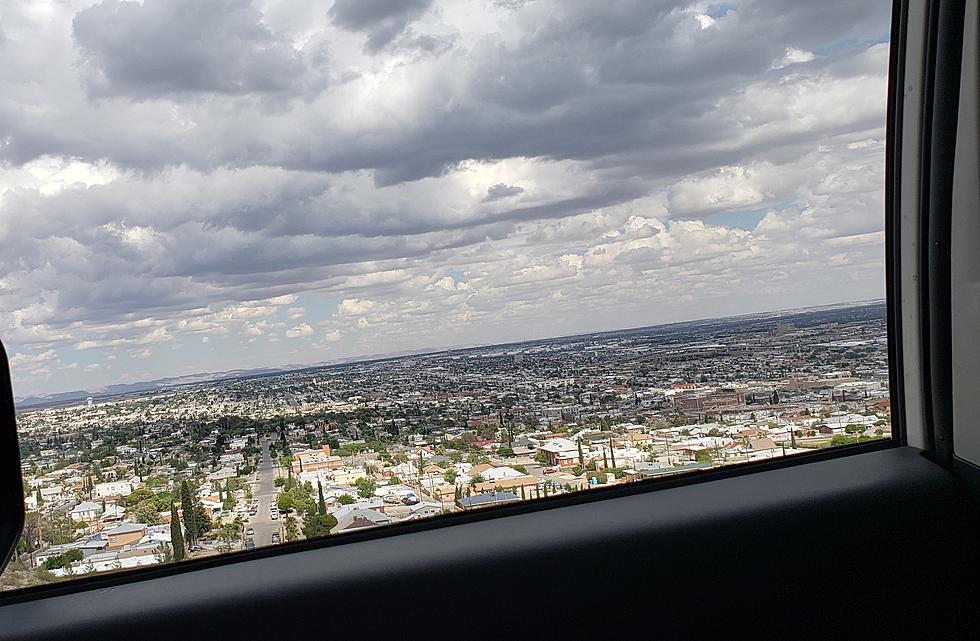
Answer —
221 466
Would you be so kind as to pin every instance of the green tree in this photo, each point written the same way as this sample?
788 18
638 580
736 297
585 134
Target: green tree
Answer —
292 530
137 496
315 524
62 560
345 499
187 507
285 502
201 519
176 538
450 475
321 506
365 487
37 498
146 513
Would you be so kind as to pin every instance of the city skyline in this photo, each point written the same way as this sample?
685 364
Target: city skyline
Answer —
169 380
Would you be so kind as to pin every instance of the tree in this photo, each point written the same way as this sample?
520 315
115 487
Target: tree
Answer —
581 456
365 487
63 560
394 480
292 530
315 524
187 506
703 456
345 499
279 482
137 496
57 529
612 453
201 520
146 513
285 502
38 500
321 505
176 538
450 475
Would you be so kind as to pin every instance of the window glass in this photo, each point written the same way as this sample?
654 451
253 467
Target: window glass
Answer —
275 270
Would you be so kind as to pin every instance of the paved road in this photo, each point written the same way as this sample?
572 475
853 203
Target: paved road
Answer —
265 490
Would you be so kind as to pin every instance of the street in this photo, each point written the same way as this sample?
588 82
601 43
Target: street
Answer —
265 490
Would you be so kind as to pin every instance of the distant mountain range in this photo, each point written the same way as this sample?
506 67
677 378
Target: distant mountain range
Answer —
101 393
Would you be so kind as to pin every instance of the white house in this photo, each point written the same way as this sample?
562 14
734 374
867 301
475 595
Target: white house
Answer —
112 488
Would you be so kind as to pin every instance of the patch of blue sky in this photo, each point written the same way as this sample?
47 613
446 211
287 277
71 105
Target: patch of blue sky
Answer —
317 307
746 219
456 275
850 44
720 10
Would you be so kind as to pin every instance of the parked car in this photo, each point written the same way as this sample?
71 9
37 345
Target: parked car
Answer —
250 531
410 499
550 470
390 499
249 544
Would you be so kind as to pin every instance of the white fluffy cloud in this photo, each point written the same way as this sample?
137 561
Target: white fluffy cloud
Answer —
299 331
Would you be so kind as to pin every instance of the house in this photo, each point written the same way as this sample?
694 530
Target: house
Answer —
764 448
639 438
112 512
222 474
560 451
314 460
513 483
424 510
86 511
52 494
124 534
343 511
112 488
500 473
359 519
479 469
487 500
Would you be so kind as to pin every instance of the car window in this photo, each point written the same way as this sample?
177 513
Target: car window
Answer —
277 271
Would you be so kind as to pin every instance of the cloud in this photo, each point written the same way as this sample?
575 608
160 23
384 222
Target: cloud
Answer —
299 331
160 47
793 56
381 20
448 173
500 190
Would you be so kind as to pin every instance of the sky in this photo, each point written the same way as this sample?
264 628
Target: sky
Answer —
205 185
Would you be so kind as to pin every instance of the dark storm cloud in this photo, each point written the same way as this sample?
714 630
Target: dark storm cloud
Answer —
502 190
182 46
381 20
597 82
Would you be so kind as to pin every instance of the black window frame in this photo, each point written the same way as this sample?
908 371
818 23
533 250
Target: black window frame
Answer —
12 509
